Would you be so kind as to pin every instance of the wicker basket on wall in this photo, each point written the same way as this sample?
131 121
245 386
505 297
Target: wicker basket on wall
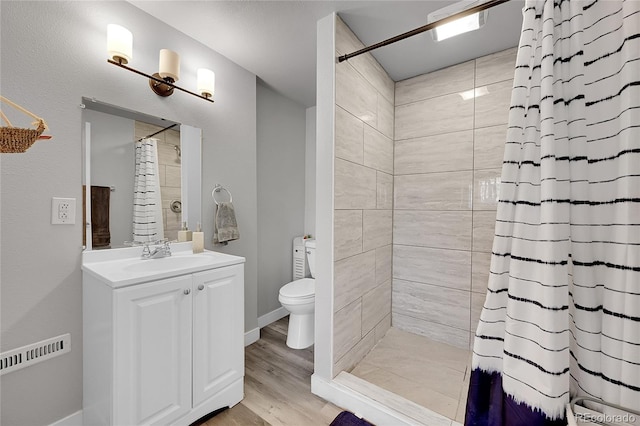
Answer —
17 139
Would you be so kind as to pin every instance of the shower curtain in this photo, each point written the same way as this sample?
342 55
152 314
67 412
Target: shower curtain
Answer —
562 312
147 201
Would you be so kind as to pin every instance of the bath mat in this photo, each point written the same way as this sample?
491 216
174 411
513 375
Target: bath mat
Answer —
349 419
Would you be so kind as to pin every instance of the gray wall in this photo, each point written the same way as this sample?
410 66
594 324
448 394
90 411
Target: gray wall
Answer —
281 191
53 53
363 176
448 159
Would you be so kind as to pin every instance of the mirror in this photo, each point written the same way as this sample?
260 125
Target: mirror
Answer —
142 174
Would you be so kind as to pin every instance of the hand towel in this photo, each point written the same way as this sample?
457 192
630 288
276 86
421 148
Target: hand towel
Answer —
100 234
225 227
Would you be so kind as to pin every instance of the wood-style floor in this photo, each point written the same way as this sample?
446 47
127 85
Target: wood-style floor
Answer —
277 386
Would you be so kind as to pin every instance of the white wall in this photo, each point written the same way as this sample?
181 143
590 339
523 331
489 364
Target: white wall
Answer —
325 134
53 53
281 191
310 174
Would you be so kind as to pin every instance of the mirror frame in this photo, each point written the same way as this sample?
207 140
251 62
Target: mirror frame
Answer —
191 154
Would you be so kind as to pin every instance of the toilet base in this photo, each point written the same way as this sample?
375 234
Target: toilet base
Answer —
300 334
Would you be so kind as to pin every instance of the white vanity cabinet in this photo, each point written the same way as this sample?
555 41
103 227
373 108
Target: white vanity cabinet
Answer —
218 331
152 352
165 351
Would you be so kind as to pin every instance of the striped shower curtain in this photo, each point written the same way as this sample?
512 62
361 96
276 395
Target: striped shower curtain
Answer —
562 312
147 200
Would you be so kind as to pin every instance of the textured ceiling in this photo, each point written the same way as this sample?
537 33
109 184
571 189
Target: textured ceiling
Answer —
276 40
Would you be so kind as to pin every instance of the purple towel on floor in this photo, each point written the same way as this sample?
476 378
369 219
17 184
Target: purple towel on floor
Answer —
349 419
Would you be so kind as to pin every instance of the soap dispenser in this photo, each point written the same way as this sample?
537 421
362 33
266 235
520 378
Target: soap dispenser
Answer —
184 234
198 240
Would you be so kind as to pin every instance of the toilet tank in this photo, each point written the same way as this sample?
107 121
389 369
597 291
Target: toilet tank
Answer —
310 249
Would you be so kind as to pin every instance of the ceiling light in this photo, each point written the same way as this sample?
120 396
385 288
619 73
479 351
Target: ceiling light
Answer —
459 26
462 25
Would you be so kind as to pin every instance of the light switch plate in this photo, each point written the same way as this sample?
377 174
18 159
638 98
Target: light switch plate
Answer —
63 211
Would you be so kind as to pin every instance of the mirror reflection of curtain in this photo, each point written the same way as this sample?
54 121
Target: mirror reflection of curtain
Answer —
147 201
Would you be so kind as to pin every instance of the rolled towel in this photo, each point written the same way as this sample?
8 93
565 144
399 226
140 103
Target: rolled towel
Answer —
225 226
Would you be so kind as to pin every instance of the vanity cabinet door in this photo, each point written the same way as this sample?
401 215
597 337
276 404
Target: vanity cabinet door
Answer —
152 335
218 330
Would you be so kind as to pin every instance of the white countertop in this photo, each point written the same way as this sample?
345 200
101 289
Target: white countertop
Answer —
123 267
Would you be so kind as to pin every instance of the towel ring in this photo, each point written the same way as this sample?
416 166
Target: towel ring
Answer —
219 188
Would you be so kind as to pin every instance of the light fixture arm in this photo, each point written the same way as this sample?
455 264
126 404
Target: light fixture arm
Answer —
484 6
158 80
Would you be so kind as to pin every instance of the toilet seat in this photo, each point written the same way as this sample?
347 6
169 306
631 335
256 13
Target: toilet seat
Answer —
302 289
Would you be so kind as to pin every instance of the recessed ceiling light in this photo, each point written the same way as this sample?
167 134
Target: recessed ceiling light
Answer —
459 26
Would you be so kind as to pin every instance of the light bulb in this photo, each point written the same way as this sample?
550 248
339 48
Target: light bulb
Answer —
169 64
206 82
119 43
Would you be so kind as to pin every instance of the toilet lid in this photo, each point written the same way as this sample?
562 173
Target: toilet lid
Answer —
305 287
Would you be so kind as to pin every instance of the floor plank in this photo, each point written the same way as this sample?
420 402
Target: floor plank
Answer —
277 386
239 415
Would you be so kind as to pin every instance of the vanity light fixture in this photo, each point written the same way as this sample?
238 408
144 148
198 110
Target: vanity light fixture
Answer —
120 50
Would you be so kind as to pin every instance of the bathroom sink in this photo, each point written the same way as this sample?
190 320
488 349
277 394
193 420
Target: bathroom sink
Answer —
168 263
124 267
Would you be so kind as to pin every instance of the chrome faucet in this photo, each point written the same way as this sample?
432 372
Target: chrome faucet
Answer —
162 250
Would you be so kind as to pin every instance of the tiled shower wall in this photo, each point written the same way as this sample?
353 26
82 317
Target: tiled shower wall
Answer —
169 166
447 164
363 179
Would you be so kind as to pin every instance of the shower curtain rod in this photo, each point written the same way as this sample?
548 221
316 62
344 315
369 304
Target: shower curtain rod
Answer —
475 9
158 132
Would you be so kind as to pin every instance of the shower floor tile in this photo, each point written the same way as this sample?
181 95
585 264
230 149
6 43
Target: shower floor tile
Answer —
432 374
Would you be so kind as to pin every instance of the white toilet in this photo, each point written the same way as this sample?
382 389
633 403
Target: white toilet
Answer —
298 297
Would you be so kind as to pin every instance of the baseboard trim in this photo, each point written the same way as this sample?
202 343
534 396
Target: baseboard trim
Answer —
74 419
272 316
358 404
251 336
